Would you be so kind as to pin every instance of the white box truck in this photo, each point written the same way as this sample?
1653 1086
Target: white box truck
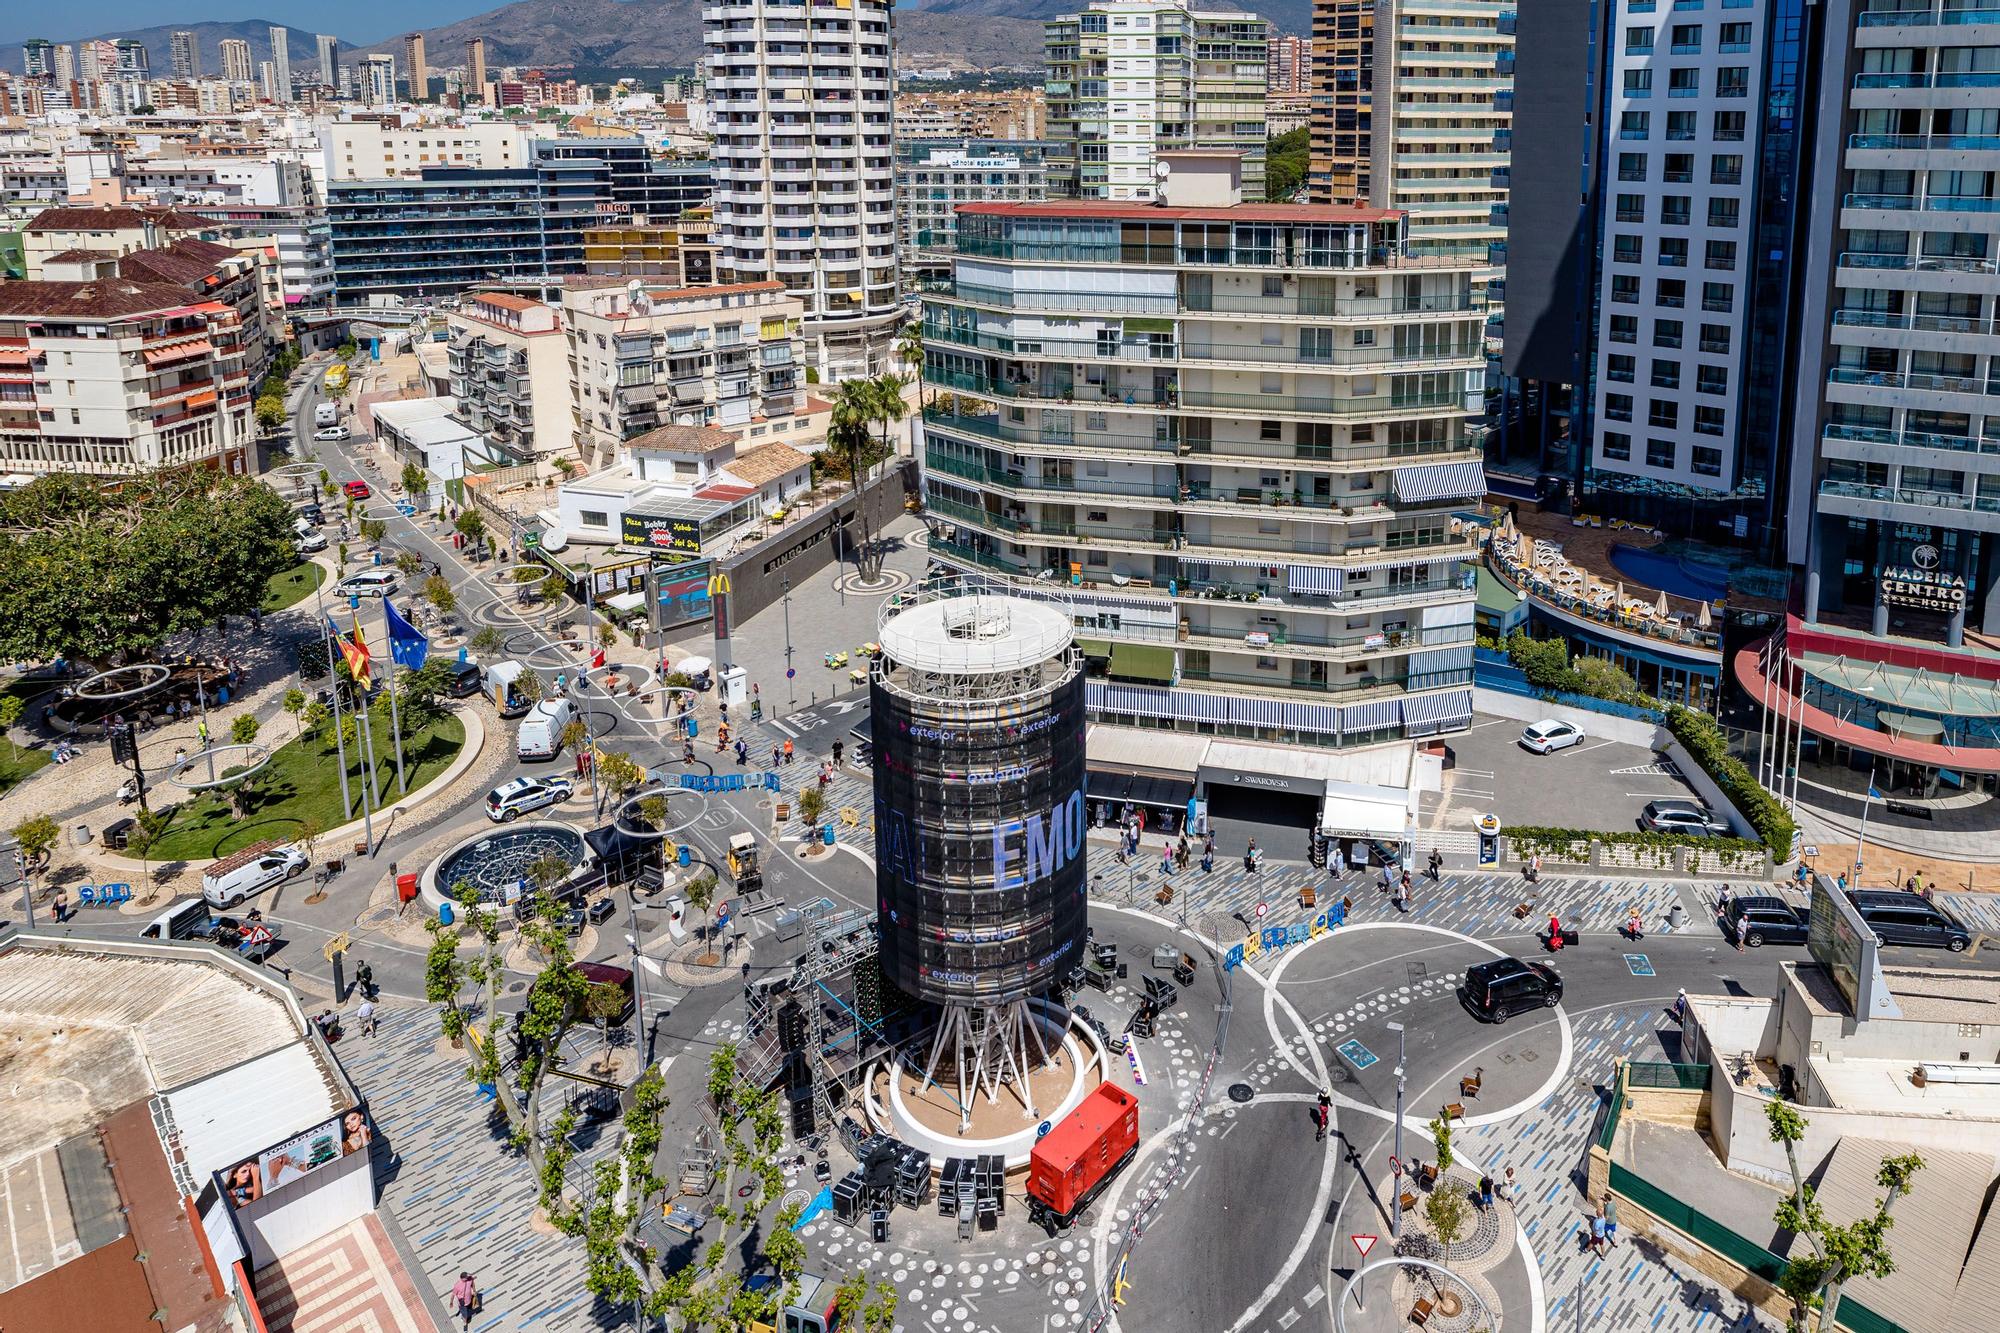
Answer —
326 414
540 736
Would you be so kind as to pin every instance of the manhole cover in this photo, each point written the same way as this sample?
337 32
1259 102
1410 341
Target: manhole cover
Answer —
1241 1092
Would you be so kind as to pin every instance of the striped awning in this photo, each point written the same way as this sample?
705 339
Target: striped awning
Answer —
1321 580
1374 715
1255 712
1321 718
1144 700
1428 714
1192 706
1441 481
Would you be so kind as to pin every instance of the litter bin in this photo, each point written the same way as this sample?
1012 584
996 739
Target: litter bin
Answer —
445 915
826 834
80 835
406 888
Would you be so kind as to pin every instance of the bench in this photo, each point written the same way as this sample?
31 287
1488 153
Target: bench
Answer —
1409 1203
1427 1175
1454 1111
1420 1313
1308 897
1469 1087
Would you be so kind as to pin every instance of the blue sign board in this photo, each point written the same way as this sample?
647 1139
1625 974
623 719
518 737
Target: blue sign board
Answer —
1641 965
1356 1054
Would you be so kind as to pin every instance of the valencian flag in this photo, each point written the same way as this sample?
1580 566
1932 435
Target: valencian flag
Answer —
353 648
408 647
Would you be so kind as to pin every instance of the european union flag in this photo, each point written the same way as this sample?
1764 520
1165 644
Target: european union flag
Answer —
407 645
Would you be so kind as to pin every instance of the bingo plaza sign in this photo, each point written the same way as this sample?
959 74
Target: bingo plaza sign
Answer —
1922 585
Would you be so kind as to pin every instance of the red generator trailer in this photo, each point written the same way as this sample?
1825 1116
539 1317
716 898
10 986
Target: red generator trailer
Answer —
1073 1162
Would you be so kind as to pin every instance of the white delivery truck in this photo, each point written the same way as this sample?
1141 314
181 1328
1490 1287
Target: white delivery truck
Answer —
326 414
540 736
501 683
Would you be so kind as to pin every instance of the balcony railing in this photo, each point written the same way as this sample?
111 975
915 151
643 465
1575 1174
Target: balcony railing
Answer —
1921 18
1931 203
1856 490
1883 319
1912 439
1963 143
1914 379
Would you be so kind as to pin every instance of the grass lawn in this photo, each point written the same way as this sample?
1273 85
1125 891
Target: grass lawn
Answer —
18 762
302 782
292 586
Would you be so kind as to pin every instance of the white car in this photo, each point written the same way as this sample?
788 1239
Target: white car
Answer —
243 874
368 583
507 802
309 538
331 433
1549 734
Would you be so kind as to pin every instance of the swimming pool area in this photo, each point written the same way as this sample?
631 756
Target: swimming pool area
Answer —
1671 574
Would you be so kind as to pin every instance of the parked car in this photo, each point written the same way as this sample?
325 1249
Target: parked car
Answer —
331 433
1677 816
242 874
356 490
312 513
309 538
1495 991
1765 921
1908 918
510 800
1550 734
368 583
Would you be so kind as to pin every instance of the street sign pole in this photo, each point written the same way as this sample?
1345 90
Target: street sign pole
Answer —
1364 1244
1396 1188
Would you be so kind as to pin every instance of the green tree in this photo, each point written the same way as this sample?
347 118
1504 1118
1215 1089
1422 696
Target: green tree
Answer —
348 350
487 640
554 587
12 706
1840 1253
243 731
373 530
102 575
472 524
444 978
700 894
270 410
1445 1210
143 836
38 838
437 591
1285 160
848 439
416 481
910 351
555 1001
295 704
408 563
812 804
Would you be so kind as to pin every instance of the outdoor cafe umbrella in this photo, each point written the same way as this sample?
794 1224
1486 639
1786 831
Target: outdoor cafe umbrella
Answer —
1702 619
1619 603
1660 607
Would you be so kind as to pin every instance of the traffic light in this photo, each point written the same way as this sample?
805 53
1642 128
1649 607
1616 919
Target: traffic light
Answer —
124 745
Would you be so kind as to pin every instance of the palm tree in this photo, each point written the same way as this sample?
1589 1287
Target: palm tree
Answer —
853 409
890 406
910 351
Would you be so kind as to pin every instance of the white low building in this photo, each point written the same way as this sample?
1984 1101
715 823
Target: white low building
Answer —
686 489
428 432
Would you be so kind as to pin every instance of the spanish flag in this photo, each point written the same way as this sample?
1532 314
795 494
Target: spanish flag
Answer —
353 648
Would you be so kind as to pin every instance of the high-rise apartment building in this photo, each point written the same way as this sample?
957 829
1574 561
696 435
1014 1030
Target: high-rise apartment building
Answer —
1288 64
935 176
186 59
448 228
475 65
1232 436
38 59
805 186
329 59
236 66
416 67
281 61
1411 111
1128 79
134 64
378 80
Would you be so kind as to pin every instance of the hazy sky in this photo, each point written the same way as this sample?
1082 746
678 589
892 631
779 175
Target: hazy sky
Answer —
354 20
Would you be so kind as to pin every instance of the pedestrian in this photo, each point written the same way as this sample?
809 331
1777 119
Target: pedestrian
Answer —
839 748
1506 1187
1486 1191
201 733
1535 868
364 975
1555 933
1166 858
1930 887
1208 842
1840 880
1722 900
789 756
742 754
62 906
1742 930
776 756
576 765
1208 861
687 752
465 1298
364 1017
1609 1211
1325 1100
1436 863
1632 927
1596 1241
1403 895
1319 1124
1681 1008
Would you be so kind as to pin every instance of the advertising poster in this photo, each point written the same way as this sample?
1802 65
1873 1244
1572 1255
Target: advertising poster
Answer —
297 1157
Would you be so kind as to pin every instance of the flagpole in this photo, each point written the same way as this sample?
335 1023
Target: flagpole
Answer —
339 741
395 714
367 750
1861 843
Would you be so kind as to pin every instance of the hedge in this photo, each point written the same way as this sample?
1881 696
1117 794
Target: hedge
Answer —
1528 840
1702 736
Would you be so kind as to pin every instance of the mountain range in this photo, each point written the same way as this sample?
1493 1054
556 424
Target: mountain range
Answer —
630 34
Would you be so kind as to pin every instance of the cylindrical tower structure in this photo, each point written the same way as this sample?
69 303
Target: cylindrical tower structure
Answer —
980 817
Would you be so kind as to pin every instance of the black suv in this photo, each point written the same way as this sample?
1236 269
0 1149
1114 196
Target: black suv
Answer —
1765 921
1498 990
1907 918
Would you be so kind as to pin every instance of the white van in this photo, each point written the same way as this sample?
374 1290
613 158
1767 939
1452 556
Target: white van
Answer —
184 920
540 736
309 538
326 414
257 867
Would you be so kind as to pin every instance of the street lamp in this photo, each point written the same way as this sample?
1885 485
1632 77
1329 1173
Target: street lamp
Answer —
1396 1184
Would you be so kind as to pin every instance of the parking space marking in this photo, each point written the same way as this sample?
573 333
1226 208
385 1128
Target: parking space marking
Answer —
1641 965
1356 1054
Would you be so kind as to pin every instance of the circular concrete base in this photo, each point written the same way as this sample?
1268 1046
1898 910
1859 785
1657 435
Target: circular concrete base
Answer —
898 1101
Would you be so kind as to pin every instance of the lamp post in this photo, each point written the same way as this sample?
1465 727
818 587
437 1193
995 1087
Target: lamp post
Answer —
791 688
1395 1186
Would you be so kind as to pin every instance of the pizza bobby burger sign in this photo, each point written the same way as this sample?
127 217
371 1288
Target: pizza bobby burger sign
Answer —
1921 584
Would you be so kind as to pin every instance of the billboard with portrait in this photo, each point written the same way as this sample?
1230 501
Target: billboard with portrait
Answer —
283 1164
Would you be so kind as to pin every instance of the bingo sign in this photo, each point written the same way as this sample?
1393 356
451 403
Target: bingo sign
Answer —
1276 939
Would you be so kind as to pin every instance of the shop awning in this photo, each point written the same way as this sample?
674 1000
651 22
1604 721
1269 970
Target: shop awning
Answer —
1362 813
1428 714
1441 481
1139 789
626 601
1322 580
1143 661
1372 716
1095 647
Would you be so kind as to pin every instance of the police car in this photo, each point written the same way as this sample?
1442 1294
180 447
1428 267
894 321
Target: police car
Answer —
506 803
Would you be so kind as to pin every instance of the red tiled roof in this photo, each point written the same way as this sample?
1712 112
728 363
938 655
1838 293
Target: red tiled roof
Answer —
102 298
724 491
1137 212
60 218
79 256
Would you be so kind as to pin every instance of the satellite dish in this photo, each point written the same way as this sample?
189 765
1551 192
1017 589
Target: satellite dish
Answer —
1160 169
555 539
